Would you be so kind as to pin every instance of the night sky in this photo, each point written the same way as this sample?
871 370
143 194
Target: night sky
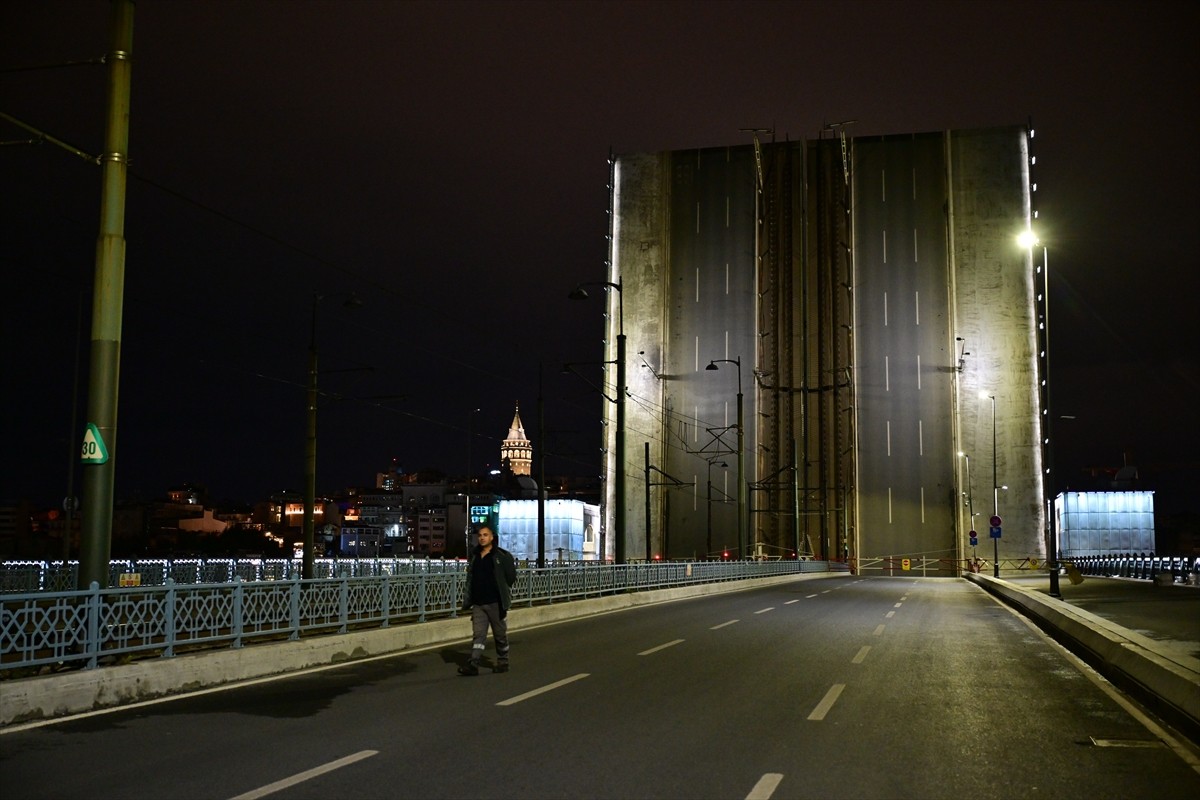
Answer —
446 163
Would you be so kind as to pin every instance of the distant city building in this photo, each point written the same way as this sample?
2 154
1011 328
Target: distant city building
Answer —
516 453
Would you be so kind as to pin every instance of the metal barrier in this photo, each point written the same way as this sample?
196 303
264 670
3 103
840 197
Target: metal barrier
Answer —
81 627
1139 566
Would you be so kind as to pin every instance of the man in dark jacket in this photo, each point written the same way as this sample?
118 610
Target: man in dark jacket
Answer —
491 573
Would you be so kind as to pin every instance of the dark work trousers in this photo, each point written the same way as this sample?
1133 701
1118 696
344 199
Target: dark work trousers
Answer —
481 617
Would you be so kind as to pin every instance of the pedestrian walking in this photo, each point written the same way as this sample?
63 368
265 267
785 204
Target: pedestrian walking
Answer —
491 572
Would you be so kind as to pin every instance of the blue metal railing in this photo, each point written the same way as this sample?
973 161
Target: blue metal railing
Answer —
83 627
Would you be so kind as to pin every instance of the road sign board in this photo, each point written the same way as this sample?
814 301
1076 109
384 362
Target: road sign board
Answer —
995 521
94 451
974 541
995 531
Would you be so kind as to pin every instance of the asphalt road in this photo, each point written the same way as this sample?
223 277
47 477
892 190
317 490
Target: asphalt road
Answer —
905 369
835 687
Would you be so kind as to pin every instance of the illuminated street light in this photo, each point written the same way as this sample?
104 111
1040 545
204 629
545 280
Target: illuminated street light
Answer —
1027 239
741 452
310 448
619 479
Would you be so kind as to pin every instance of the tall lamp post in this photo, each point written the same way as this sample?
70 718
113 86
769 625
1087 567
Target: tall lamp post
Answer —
708 543
995 487
741 452
470 434
619 479
310 440
970 499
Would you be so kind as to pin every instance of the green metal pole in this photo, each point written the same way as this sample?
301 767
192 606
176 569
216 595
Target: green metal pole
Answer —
619 511
107 304
310 452
741 469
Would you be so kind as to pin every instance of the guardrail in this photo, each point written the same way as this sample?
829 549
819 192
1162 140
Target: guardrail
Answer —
82 628
1139 566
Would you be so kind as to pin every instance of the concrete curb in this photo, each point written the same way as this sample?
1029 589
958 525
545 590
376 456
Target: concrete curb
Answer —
1174 679
49 696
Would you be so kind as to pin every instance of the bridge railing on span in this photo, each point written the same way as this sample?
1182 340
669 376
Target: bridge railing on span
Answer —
102 625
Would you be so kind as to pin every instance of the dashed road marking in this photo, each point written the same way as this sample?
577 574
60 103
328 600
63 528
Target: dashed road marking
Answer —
308 774
765 787
862 654
660 647
879 630
547 688
890 614
827 702
809 597
765 610
789 602
722 625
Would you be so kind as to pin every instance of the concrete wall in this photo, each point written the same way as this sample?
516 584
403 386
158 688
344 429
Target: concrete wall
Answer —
994 314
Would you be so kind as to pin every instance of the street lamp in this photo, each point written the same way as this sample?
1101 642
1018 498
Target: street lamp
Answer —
995 487
619 487
708 546
970 499
741 451
310 449
467 534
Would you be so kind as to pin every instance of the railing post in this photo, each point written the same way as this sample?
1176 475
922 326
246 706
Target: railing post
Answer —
239 625
421 594
343 604
93 624
385 601
169 615
294 607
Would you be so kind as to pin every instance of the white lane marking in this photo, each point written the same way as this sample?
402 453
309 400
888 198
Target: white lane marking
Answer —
917 300
890 614
765 610
830 698
308 774
809 597
889 437
827 591
862 654
789 602
765 787
879 630
660 647
722 625
897 605
1126 742
885 309
902 599
547 688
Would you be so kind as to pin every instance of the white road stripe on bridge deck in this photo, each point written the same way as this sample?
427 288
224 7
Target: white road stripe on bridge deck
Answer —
722 625
862 654
830 698
765 610
547 688
809 597
308 774
890 614
879 630
789 602
765 787
660 647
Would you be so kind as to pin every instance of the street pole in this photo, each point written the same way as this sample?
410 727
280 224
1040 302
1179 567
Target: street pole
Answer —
1050 476
107 301
467 529
741 452
619 478
310 452
540 455
995 494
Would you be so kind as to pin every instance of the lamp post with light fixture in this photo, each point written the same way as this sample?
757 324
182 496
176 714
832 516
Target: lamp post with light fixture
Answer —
310 440
619 478
741 452
995 488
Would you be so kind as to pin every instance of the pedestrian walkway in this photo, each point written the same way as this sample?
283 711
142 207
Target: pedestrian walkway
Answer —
1170 615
